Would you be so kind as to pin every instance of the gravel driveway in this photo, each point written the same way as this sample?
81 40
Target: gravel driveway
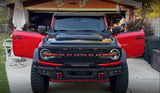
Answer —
142 79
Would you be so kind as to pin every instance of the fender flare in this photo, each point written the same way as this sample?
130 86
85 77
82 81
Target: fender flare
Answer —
124 58
35 56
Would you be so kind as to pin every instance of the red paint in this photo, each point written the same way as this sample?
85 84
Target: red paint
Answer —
99 75
79 80
102 74
114 35
48 64
52 21
119 45
57 74
80 48
95 49
64 48
40 44
132 46
110 64
91 55
25 46
105 20
103 65
61 54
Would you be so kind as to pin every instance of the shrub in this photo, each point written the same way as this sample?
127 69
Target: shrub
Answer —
139 24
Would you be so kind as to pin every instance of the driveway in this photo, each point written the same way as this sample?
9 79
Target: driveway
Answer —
142 79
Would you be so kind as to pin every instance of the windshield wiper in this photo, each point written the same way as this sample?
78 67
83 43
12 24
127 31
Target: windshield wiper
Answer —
86 30
60 30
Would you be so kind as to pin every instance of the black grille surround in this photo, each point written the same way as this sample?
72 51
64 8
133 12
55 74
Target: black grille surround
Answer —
80 59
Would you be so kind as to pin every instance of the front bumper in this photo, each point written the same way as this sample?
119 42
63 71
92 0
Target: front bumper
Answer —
79 72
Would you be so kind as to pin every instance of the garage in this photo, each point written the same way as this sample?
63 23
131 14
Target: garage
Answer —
39 12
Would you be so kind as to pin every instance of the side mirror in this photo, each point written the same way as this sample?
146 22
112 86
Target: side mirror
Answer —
116 30
42 29
107 28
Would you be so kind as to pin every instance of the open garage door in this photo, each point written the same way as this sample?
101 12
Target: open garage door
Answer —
37 18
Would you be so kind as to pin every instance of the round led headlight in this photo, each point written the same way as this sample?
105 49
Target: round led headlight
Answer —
115 54
45 51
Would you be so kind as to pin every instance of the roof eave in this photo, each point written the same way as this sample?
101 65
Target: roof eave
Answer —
130 3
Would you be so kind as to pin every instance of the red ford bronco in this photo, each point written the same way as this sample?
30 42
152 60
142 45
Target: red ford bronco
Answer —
78 47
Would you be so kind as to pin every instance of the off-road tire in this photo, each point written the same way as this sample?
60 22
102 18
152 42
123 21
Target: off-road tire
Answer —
39 83
119 84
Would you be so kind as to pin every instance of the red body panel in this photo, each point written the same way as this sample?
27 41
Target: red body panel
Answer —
132 43
55 65
52 21
26 43
49 64
110 64
79 80
105 20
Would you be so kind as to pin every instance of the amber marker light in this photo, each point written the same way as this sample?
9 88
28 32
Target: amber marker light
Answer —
47 54
109 54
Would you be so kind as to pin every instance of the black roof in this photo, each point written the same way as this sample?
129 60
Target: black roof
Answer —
78 14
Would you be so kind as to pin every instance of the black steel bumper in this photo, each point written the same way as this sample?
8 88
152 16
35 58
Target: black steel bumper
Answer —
72 71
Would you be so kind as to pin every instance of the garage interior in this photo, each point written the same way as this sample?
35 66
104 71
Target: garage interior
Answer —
44 18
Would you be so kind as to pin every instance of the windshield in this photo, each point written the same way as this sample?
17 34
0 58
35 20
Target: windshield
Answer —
79 23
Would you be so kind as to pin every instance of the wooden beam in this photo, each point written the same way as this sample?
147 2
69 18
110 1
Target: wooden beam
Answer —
104 12
73 9
12 1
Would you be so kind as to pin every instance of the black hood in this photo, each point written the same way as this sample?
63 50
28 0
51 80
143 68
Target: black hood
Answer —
78 38
79 35
90 37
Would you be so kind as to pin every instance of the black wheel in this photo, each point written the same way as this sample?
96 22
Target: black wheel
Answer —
119 84
39 83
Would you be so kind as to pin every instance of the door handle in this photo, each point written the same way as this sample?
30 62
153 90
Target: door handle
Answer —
141 37
17 37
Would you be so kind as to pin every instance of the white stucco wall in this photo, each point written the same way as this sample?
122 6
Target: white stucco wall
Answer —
156 26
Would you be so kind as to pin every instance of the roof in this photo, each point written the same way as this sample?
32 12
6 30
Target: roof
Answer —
133 3
78 14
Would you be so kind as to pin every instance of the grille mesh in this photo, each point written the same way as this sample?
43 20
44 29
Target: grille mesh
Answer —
89 59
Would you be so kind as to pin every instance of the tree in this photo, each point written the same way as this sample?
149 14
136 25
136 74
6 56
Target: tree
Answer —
155 10
149 10
3 14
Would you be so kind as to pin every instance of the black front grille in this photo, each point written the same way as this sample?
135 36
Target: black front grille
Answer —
69 55
79 50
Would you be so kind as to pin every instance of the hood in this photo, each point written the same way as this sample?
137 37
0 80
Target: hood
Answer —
89 37
78 38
